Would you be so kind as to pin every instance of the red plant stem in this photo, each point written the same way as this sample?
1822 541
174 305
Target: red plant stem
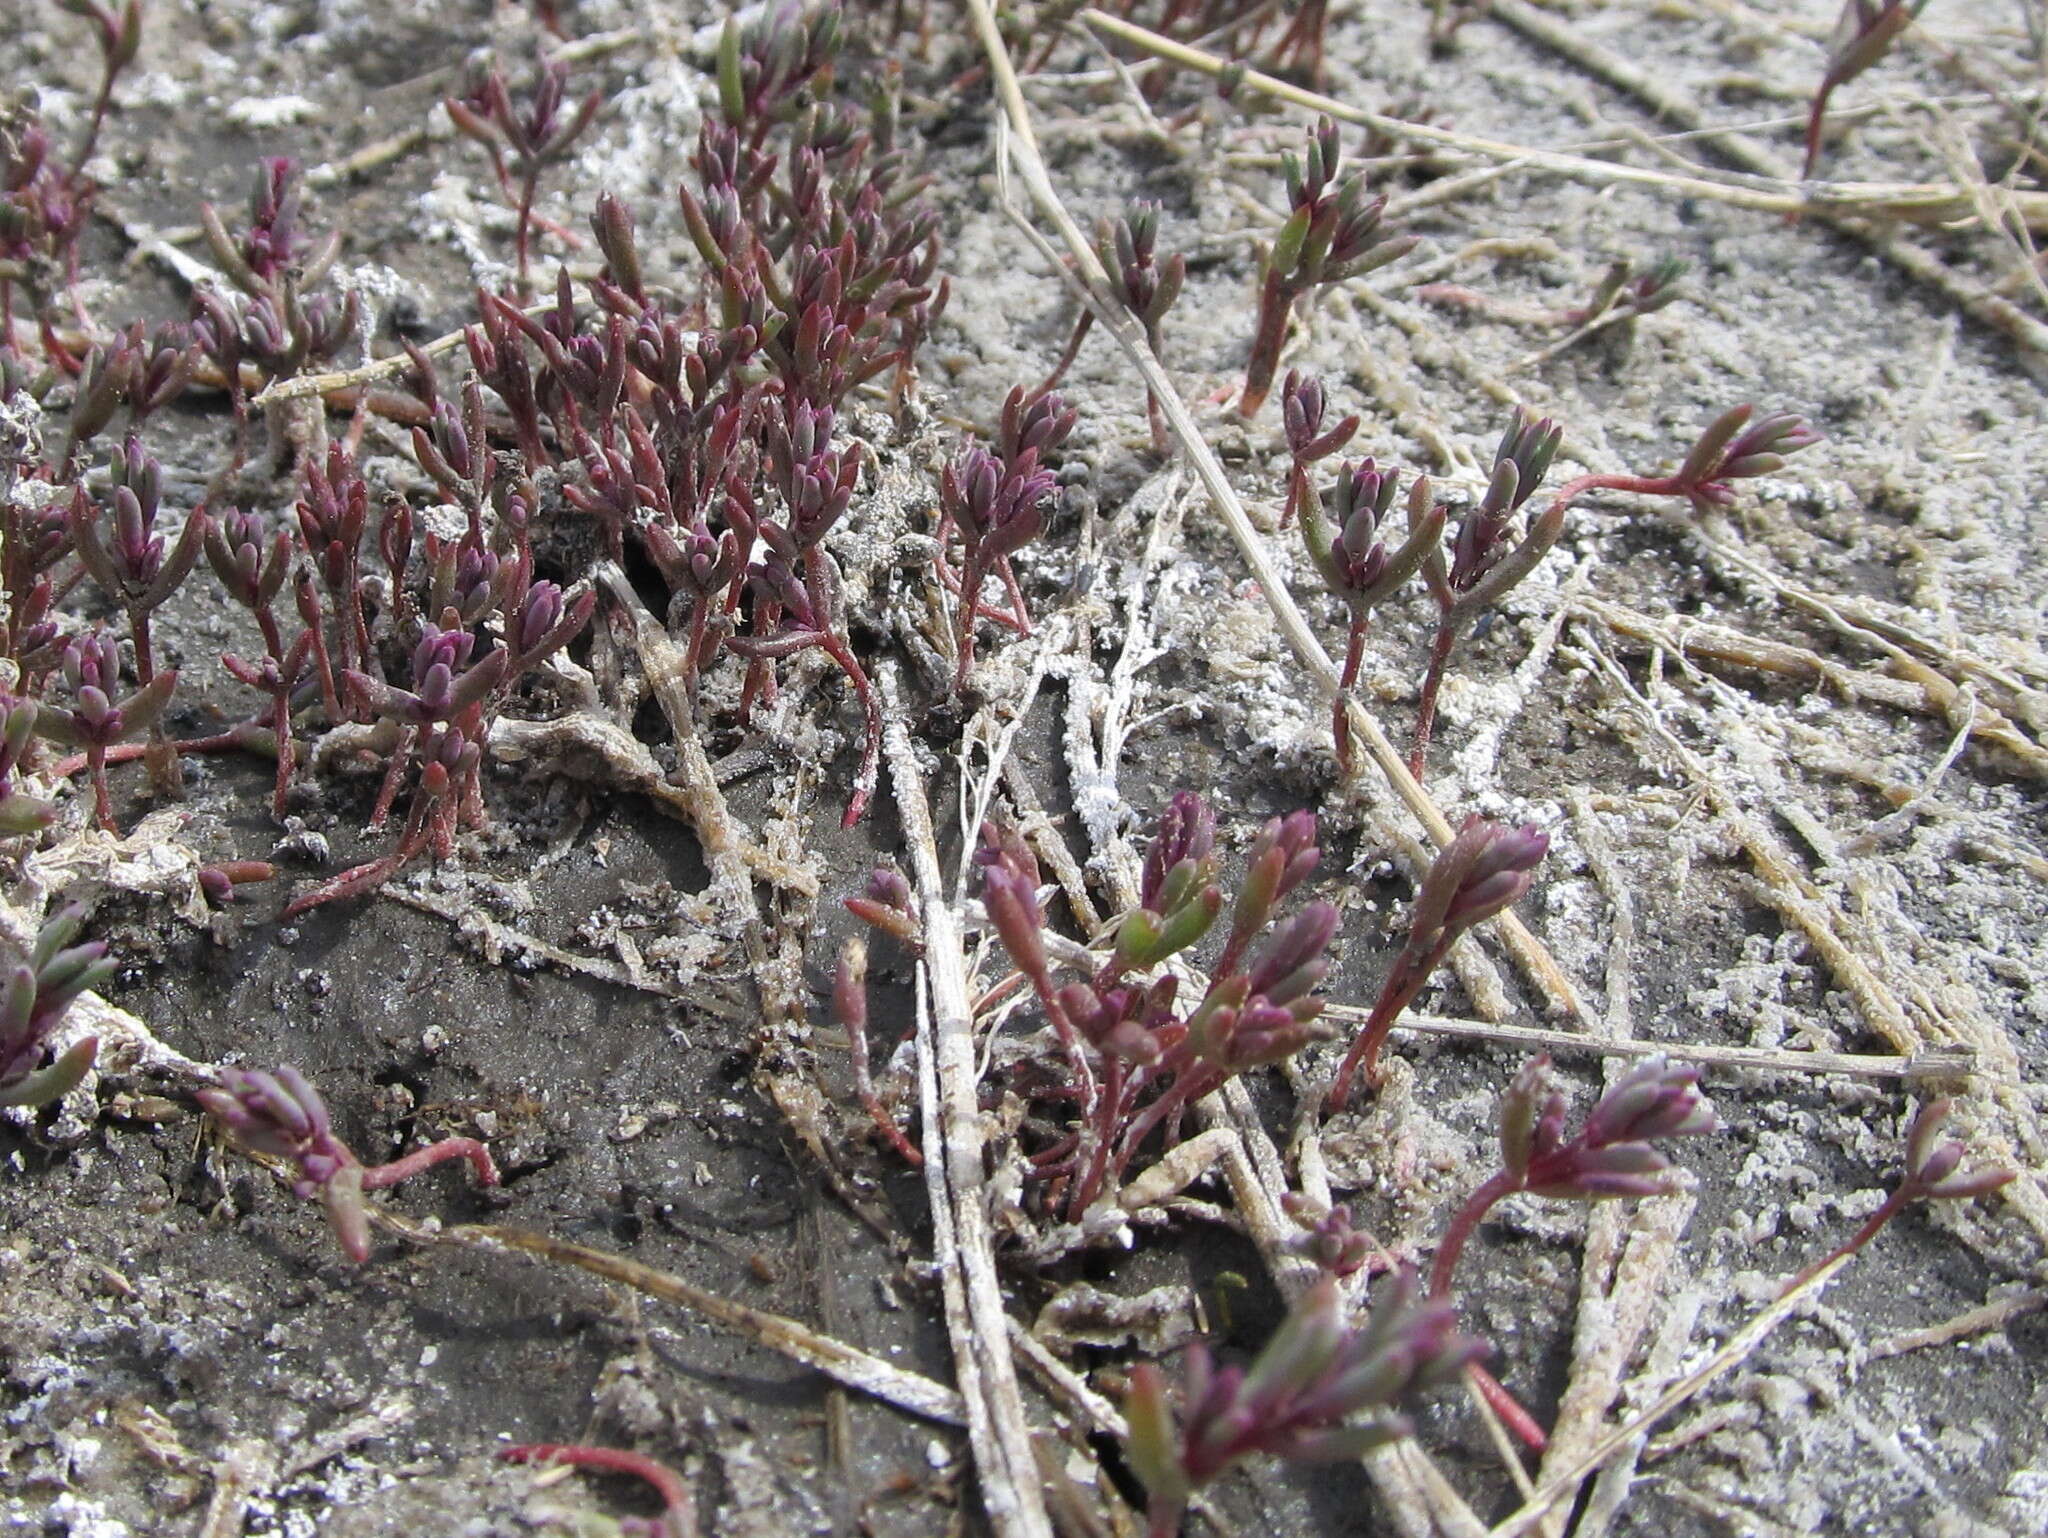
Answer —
1059 369
1009 575
1645 485
1816 119
1448 626
367 877
394 776
1425 709
1501 1183
680 1516
1340 717
1276 302
693 652
1087 1090
526 191
871 747
1101 1137
1303 42
1508 1408
1189 1084
1458 295
864 1088
280 709
325 670
1892 1206
102 802
138 630
972 572
377 1177
1016 622
99 117
128 752
1396 994
995 993
360 622
160 752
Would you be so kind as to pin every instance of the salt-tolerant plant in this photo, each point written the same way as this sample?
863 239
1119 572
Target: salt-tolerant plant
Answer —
997 502
118 35
94 719
44 204
886 905
1325 1236
1864 33
1131 1056
1732 447
33 999
1933 1172
1484 869
281 1116
1332 233
119 546
771 62
1612 1155
254 576
272 321
1625 292
1343 531
1485 562
1321 1391
1303 406
1127 246
525 137
20 812
129 563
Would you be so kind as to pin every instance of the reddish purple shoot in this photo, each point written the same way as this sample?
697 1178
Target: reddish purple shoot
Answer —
282 1116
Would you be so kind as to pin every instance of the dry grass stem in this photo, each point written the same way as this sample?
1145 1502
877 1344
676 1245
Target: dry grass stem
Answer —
955 1179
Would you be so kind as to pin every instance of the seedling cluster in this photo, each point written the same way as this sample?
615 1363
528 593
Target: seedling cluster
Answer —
705 444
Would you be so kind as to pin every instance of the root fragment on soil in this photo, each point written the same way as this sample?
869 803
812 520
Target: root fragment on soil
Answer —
1995 1315
499 940
908 1391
